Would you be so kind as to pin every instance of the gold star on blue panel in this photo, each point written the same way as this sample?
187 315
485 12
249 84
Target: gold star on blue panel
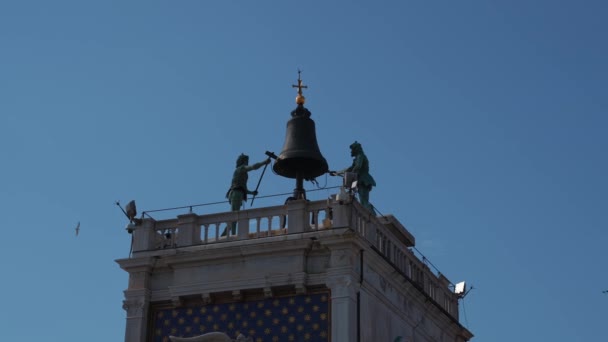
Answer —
295 318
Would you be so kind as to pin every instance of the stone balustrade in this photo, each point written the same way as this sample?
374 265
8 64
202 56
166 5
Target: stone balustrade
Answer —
387 236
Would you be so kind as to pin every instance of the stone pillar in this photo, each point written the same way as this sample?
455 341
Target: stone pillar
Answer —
343 307
137 300
136 305
189 232
297 218
342 280
243 226
144 236
341 214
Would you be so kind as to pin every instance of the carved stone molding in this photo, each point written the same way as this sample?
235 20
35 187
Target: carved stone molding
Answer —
300 289
177 301
134 307
267 292
206 298
343 286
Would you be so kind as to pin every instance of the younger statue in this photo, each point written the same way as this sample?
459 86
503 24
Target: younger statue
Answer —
360 166
238 188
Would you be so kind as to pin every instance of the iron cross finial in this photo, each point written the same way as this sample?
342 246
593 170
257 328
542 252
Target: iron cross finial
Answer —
299 86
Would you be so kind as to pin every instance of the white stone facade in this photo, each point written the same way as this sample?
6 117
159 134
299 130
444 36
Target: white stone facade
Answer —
379 291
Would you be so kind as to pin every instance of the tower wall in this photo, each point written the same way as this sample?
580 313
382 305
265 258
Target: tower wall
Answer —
336 274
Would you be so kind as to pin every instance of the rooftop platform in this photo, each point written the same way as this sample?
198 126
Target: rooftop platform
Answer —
286 224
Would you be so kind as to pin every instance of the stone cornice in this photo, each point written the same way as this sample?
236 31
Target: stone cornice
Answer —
136 264
387 271
283 244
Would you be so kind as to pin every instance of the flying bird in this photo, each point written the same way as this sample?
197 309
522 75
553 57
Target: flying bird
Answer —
77 228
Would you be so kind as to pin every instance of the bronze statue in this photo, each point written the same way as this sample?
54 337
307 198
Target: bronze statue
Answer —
360 166
238 188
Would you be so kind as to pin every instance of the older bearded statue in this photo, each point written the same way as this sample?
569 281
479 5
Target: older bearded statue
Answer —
360 166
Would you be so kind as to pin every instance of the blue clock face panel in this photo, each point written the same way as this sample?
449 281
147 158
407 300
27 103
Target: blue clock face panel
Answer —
293 318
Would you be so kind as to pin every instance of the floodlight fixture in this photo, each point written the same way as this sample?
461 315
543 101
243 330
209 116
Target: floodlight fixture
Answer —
131 210
460 288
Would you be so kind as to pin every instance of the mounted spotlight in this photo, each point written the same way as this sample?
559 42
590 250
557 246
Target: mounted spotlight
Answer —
460 288
130 212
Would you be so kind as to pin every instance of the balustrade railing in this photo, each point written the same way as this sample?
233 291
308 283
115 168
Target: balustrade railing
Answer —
298 217
253 223
165 234
376 230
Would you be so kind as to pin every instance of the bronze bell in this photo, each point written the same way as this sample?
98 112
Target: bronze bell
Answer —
300 158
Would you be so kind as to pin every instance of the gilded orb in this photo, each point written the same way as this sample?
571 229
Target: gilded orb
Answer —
300 99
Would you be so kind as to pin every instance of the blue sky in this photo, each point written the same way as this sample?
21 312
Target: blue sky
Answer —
484 122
